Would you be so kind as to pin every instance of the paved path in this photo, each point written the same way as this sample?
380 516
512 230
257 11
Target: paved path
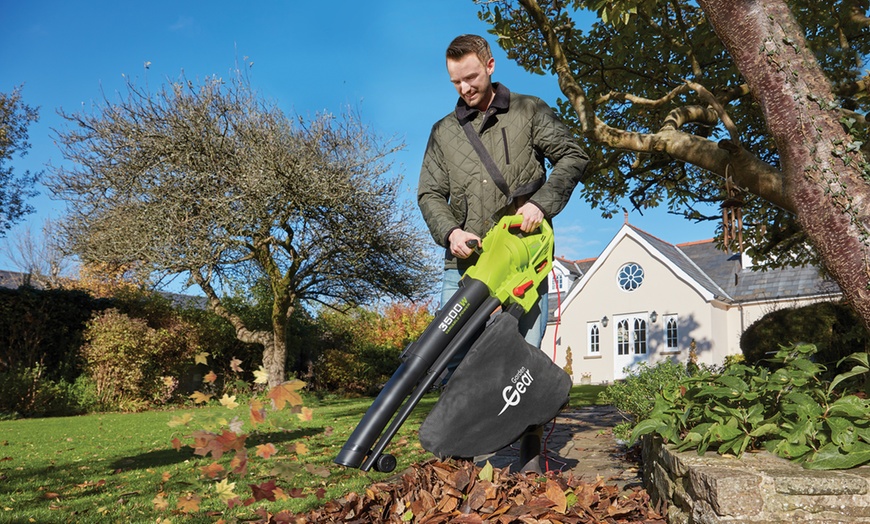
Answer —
582 443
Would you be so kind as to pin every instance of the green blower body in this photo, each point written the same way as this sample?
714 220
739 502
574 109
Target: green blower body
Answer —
503 384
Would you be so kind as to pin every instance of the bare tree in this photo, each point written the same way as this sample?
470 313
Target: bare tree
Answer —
39 256
210 181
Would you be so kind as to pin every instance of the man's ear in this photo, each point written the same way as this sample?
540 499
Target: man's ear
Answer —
490 65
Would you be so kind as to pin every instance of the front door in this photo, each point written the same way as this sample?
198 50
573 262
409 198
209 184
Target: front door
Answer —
631 342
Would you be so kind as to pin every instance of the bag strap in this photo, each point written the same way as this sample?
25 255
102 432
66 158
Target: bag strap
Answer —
487 160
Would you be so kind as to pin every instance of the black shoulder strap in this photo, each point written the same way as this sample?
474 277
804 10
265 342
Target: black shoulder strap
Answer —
487 160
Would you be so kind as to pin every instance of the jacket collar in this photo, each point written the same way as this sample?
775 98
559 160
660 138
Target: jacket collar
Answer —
500 103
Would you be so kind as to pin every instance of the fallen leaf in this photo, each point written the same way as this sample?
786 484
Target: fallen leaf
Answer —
557 495
201 358
189 503
160 502
210 377
235 365
266 491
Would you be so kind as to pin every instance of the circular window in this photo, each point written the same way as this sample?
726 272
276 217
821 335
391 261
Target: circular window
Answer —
630 276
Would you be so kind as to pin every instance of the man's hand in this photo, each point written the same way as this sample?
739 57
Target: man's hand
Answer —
458 246
532 217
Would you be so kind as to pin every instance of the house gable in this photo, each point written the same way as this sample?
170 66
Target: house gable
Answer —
679 264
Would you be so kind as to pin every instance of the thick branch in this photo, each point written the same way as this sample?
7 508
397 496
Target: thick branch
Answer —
748 171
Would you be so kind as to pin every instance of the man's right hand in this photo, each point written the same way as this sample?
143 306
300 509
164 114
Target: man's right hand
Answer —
459 243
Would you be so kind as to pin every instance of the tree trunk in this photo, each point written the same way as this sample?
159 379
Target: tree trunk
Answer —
822 169
275 356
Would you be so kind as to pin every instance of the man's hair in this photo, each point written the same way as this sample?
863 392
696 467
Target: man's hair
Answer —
466 44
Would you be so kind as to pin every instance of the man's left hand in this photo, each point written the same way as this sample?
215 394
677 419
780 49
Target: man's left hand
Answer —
532 217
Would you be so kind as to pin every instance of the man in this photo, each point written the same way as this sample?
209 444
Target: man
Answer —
462 194
461 200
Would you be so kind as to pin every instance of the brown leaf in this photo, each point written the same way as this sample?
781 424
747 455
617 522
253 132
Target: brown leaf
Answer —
557 495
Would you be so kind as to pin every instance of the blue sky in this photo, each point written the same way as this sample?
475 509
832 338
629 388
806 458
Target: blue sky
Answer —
382 58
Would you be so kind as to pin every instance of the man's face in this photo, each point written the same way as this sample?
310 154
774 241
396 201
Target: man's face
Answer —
471 79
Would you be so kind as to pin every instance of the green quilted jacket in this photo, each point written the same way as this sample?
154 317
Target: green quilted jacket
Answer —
519 132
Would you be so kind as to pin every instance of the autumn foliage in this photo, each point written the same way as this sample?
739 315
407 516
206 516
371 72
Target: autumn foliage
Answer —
361 348
461 492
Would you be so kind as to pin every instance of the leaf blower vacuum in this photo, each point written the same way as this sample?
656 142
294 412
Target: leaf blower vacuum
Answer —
502 386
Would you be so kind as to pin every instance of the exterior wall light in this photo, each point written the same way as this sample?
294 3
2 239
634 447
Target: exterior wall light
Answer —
653 317
604 320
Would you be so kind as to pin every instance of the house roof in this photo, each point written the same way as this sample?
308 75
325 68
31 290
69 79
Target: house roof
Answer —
715 274
744 284
11 279
14 280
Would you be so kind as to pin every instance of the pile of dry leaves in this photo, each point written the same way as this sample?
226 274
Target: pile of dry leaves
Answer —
460 492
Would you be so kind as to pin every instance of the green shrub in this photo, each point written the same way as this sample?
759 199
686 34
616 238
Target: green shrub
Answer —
29 393
834 328
43 328
355 371
130 363
634 397
789 411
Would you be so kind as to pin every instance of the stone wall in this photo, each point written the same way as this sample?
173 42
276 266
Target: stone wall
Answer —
758 488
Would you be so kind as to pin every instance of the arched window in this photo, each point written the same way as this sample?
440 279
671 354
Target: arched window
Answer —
639 336
671 334
594 334
622 338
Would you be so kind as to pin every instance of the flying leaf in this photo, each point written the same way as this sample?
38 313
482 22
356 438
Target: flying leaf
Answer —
213 470
224 489
180 420
286 393
201 358
266 450
199 398
305 415
229 401
235 365
261 376
239 463
210 377
235 425
300 448
280 494
258 413
176 444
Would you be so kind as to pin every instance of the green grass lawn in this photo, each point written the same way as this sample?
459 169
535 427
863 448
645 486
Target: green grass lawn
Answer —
123 467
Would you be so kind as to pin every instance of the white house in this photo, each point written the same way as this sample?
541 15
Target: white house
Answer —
644 299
